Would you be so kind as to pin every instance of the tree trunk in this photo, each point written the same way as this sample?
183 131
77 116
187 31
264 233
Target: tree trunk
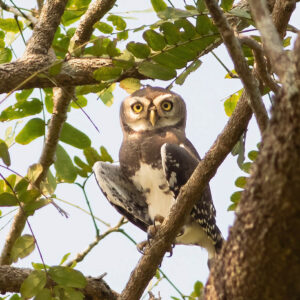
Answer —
261 259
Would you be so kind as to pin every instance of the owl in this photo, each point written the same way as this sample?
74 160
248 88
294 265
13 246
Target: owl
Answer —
155 161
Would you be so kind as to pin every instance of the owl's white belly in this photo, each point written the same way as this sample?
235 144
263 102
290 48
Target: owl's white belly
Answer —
155 186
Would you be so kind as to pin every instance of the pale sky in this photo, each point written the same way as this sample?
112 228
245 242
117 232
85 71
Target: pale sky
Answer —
204 92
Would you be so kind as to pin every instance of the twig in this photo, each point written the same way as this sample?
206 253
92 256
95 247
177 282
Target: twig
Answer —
80 256
18 12
189 194
233 47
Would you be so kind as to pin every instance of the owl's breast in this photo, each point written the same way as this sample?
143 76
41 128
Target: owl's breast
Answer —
152 182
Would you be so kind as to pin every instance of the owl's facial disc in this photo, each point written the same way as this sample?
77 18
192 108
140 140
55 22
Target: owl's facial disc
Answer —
144 113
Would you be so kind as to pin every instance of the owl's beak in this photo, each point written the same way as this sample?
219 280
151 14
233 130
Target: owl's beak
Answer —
152 117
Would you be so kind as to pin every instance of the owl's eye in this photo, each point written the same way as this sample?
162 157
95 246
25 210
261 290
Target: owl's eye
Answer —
137 107
167 105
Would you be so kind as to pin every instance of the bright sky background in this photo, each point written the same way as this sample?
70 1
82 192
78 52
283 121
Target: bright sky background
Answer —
204 92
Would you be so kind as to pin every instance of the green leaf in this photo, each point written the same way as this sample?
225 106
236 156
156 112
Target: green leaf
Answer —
23 246
184 52
14 297
107 73
241 182
33 284
189 31
123 35
64 167
11 179
103 27
80 102
107 96
22 185
169 60
157 71
191 68
65 257
28 196
253 155
86 89
55 68
155 40
49 103
139 50
198 288
23 95
8 199
67 293
111 49
117 21
226 4
171 33
4 154
5 55
70 16
287 41
32 206
232 207
44 294
236 197
125 60
34 171
74 137
201 6
246 167
230 103
10 25
171 13
130 85
105 155
158 5
241 13
204 25
21 110
48 186
33 129
67 277
91 155
86 168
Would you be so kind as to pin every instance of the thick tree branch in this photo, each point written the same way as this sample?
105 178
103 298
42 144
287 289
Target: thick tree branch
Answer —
11 279
271 40
234 48
94 13
281 15
189 194
27 74
263 245
43 33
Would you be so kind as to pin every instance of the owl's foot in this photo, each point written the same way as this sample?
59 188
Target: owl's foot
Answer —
141 246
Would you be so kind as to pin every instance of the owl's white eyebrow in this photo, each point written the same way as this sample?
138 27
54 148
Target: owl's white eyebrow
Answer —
162 97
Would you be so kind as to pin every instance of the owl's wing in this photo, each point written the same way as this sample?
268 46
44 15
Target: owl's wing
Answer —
178 165
122 194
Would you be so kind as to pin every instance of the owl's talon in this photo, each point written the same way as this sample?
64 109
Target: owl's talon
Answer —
141 246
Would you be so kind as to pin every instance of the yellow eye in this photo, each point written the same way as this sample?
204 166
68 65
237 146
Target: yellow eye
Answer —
137 107
167 105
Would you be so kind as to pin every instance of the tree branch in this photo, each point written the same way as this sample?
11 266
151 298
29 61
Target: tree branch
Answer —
260 65
189 194
11 279
43 33
233 47
271 41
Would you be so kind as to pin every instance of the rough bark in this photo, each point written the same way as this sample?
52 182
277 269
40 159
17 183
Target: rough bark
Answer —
261 259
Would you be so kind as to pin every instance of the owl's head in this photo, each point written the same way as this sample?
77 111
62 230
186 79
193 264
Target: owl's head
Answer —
152 108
